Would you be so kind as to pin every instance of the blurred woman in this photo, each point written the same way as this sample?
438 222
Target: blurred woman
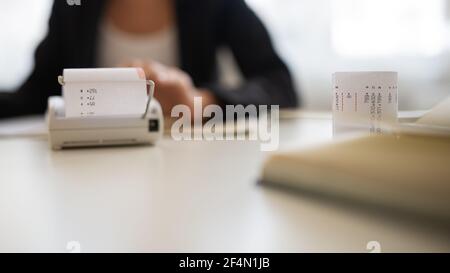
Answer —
174 41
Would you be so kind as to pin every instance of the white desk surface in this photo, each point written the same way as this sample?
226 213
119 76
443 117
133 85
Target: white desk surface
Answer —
181 196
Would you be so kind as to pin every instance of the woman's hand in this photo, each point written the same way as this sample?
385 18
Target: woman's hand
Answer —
173 86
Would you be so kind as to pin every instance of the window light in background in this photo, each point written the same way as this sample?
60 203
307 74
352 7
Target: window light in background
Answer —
368 28
23 23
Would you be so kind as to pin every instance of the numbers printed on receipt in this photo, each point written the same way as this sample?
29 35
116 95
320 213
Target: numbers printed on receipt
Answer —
104 92
364 100
87 101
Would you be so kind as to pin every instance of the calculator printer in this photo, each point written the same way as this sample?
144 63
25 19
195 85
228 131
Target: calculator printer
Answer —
102 131
107 130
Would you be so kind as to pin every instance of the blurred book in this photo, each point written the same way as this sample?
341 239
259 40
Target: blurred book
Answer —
438 116
406 171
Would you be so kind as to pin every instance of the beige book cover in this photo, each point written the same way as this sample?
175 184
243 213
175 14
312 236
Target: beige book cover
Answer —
404 171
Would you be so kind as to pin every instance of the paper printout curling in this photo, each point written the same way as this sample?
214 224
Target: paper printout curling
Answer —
104 92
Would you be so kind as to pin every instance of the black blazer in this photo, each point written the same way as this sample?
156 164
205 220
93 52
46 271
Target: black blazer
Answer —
203 27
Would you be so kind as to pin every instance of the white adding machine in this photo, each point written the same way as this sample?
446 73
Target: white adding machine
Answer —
90 128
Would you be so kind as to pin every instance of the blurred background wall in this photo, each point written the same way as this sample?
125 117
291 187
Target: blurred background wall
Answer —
315 38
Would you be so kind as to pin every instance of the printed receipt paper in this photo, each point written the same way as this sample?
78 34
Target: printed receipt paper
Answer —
364 100
104 92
